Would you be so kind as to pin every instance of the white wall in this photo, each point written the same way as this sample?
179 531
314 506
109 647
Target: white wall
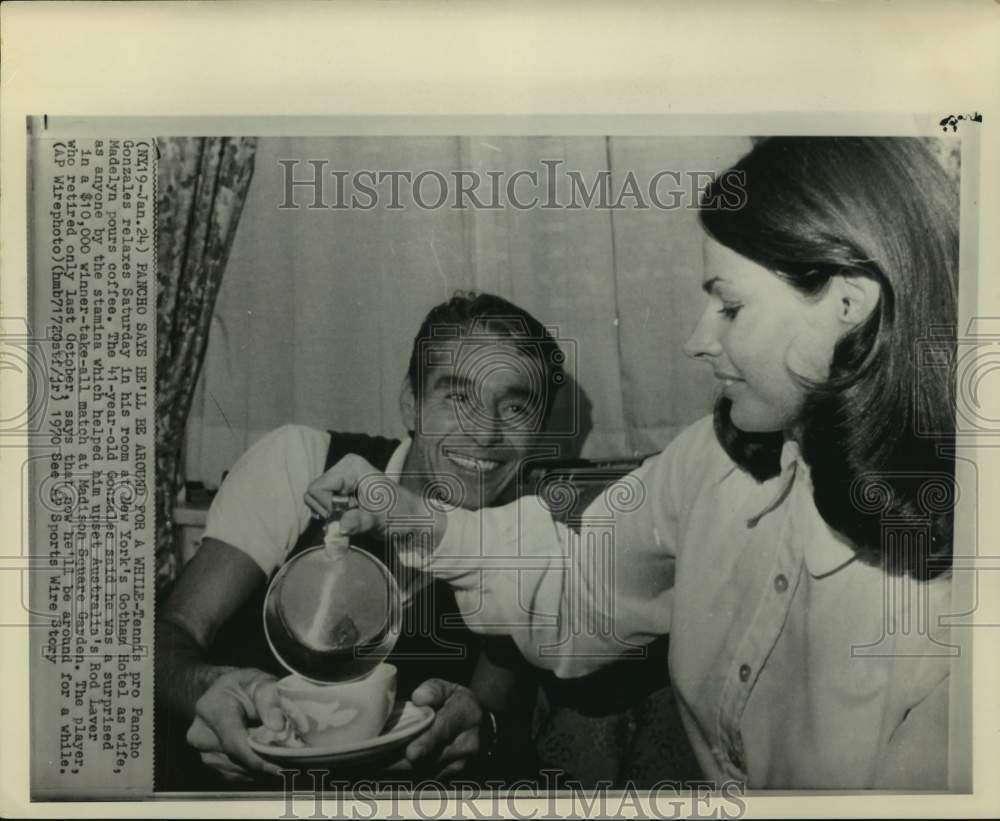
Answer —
319 307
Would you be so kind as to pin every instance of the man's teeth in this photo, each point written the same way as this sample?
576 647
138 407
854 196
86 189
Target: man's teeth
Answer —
471 463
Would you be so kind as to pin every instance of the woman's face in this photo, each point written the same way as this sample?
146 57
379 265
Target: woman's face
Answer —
758 334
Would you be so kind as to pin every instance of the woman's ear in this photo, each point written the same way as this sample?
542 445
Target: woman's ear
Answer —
856 298
408 406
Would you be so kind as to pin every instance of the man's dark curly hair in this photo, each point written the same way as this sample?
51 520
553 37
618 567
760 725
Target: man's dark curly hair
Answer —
491 318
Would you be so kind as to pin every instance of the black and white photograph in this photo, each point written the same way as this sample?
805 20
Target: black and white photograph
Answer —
685 570
596 460
569 461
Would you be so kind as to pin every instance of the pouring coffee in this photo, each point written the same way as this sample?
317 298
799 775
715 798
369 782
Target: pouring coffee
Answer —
332 613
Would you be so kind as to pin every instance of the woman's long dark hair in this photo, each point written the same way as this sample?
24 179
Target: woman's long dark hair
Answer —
878 434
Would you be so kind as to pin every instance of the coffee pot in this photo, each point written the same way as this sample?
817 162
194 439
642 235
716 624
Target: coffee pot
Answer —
333 612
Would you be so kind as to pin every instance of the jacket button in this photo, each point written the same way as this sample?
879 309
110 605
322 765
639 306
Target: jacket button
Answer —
744 672
781 583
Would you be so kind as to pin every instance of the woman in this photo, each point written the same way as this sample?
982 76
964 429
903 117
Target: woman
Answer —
796 546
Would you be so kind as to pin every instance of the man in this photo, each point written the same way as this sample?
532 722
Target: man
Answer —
481 380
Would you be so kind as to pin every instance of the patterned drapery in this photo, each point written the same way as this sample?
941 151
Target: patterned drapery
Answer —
201 187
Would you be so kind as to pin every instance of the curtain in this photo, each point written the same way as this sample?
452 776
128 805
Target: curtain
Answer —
201 189
316 316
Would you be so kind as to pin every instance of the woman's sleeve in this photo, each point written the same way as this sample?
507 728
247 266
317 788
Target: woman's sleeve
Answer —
916 757
573 601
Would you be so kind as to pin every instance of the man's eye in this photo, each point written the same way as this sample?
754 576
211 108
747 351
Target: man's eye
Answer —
458 397
729 311
511 410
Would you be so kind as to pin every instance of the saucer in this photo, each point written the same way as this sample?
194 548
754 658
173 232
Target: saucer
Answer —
405 722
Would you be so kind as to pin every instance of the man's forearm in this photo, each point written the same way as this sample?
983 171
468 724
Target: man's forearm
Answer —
183 673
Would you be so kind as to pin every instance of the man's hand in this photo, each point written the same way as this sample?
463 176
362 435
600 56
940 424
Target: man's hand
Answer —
451 745
376 499
235 701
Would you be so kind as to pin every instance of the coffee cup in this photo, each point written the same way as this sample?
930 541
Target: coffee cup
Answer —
331 715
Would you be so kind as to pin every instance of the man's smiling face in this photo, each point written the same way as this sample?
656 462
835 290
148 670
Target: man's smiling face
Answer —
476 417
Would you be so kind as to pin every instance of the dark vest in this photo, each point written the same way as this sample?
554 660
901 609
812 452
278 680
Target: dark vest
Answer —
434 641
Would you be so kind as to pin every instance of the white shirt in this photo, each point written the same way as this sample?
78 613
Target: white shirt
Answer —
261 508
788 654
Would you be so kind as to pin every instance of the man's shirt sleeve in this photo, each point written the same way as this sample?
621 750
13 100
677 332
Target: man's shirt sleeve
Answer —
260 507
